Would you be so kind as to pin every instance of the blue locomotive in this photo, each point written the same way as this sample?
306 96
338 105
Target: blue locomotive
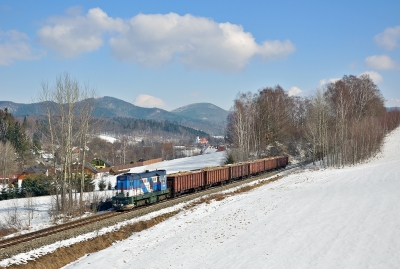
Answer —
136 189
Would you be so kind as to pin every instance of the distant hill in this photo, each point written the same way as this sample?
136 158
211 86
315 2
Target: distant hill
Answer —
392 108
21 110
112 107
206 117
203 111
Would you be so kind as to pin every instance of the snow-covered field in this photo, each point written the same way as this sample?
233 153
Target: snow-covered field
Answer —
42 204
41 218
318 218
331 218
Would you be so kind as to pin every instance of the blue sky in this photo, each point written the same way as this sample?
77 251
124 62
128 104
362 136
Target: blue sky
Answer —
169 54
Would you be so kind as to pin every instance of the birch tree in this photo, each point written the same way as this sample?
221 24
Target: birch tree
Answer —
241 126
274 108
68 107
317 126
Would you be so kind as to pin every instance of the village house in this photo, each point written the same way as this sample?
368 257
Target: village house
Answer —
35 169
89 169
5 180
101 163
202 140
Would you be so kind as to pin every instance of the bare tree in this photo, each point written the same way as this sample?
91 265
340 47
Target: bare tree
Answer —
30 206
274 109
68 107
167 151
13 217
124 148
86 108
317 126
241 126
339 96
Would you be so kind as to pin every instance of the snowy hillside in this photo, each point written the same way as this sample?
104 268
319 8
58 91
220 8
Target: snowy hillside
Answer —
332 218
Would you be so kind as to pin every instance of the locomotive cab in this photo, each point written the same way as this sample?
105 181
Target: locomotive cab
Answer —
135 189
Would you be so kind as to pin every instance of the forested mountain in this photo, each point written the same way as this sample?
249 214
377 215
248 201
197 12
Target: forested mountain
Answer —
206 117
21 110
166 129
203 111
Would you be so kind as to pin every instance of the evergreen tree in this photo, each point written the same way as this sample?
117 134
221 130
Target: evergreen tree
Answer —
37 185
36 145
4 194
102 184
11 130
229 159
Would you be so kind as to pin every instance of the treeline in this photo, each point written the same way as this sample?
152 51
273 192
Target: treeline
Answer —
343 124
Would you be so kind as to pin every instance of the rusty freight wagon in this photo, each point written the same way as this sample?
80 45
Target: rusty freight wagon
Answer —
216 175
257 166
238 170
183 182
270 163
282 161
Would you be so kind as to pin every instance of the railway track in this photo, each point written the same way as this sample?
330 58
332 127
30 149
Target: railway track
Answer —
24 238
54 229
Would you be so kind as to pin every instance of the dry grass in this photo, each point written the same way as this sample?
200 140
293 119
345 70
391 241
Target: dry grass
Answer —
66 255
6 230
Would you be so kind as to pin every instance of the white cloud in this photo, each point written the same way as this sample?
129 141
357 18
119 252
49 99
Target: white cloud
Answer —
333 80
195 42
324 81
144 100
392 102
294 91
353 65
389 39
158 39
375 76
196 94
382 62
15 45
74 34
74 11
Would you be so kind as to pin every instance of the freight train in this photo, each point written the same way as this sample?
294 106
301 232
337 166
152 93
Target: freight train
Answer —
136 189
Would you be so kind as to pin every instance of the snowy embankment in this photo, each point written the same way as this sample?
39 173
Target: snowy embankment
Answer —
332 218
42 205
